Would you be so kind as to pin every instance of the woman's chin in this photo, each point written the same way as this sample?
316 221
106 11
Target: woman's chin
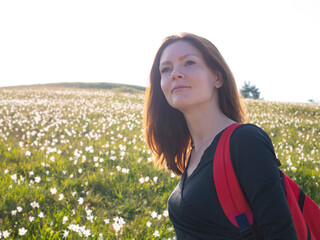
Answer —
181 105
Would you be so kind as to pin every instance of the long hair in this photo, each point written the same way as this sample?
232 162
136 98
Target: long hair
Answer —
166 130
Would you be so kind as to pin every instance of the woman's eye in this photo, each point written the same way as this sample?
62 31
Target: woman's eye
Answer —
164 70
189 63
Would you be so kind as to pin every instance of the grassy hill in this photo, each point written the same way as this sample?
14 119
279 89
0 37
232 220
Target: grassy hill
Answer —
73 162
83 85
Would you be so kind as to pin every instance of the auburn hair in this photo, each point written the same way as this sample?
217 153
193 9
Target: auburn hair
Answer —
166 130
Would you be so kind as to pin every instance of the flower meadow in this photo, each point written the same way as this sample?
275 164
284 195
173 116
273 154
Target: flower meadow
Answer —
74 165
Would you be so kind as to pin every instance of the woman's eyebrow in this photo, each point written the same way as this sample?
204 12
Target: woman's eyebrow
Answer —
181 58
187 55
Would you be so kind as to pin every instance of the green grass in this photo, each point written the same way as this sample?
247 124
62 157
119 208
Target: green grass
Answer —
88 144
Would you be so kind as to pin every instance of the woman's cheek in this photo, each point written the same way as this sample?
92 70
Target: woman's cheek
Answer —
164 86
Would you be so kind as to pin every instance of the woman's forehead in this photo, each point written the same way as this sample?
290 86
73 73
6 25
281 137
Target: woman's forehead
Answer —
179 49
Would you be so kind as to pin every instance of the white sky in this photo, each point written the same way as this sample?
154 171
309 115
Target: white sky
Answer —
274 44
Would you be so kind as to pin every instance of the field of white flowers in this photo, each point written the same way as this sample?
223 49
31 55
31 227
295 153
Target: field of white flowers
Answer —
74 165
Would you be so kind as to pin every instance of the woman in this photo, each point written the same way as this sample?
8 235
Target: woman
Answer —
191 100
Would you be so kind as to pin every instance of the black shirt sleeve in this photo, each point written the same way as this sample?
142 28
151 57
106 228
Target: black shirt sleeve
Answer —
256 167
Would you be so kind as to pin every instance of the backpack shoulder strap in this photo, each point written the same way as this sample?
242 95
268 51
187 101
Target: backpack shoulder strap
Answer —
305 212
228 189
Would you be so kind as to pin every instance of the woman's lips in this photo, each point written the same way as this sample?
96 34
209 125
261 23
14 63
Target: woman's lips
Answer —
179 88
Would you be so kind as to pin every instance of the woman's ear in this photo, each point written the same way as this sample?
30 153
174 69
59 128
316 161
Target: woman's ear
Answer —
219 80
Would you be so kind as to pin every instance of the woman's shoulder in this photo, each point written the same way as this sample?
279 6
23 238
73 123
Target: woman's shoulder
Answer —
249 131
251 139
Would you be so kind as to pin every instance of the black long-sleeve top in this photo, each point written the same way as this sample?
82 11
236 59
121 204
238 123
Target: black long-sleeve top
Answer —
194 208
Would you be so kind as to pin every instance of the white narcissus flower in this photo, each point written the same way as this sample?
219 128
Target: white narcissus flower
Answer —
14 177
64 220
80 200
61 196
22 231
125 170
53 191
156 233
34 204
65 234
101 236
40 215
90 218
37 179
154 214
118 223
165 213
6 234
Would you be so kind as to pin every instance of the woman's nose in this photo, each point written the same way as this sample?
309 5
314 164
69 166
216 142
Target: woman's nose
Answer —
176 74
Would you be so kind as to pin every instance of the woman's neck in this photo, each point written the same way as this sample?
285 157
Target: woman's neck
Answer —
204 124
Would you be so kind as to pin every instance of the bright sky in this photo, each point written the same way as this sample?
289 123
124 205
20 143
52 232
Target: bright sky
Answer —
274 44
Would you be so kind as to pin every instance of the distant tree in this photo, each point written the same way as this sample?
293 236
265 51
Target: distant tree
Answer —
249 90
312 100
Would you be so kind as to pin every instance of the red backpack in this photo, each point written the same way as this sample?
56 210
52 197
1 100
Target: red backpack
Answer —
305 213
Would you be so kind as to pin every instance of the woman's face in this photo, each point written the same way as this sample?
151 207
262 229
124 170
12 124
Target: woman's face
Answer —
186 80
